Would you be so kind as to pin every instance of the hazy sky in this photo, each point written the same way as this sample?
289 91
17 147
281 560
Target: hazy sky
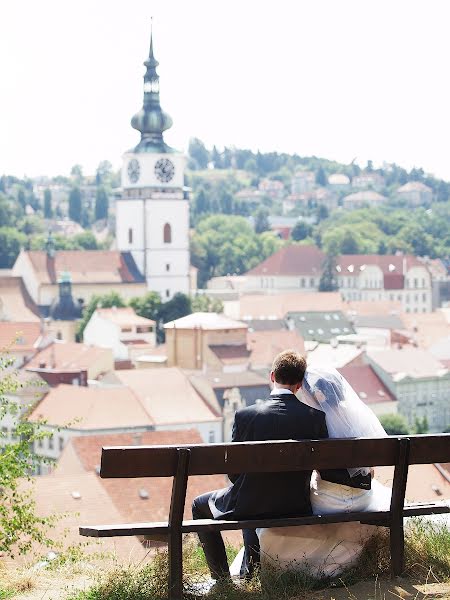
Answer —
341 79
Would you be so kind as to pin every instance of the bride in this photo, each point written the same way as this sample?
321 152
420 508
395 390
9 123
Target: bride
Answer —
325 550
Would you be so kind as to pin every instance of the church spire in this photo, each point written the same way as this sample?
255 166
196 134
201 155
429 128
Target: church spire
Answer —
151 120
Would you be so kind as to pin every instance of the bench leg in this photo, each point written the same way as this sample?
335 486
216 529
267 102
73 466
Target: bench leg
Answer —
175 566
397 546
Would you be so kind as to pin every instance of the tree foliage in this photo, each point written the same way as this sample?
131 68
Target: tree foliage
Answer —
20 525
11 241
394 424
48 210
101 204
75 205
225 245
205 303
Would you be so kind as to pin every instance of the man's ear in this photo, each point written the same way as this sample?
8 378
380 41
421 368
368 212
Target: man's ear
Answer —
272 377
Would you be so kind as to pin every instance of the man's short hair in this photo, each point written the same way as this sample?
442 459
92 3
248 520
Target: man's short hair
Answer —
289 367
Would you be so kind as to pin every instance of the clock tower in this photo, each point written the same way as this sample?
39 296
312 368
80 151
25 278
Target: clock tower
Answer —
152 216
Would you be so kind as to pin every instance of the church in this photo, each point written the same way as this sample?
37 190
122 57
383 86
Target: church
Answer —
152 228
152 216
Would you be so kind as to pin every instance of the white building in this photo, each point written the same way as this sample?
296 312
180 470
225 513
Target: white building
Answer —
415 193
364 198
122 330
303 181
369 180
419 381
375 277
152 217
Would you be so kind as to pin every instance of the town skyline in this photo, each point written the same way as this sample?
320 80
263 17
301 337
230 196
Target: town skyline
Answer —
389 62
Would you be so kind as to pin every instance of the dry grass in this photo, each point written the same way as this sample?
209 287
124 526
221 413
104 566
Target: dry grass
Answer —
427 561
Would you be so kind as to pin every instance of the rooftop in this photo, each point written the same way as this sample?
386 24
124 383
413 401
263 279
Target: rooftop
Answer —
365 196
85 266
136 499
321 326
291 260
19 337
325 355
414 186
167 395
15 302
338 179
277 306
265 345
407 362
96 408
354 264
230 354
205 320
68 356
366 384
123 316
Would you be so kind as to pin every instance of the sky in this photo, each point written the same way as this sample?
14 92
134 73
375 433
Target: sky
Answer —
341 79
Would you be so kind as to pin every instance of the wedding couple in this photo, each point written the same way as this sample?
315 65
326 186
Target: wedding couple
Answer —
305 403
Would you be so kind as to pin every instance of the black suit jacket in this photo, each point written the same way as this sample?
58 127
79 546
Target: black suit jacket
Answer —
254 495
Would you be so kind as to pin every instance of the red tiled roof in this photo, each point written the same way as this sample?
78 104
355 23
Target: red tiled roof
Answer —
16 303
18 336
68 356
366 384
265 345
276 306
85 266
125 492
231 354
291 261
389 263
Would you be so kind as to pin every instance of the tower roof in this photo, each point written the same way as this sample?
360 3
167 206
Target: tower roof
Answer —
151 120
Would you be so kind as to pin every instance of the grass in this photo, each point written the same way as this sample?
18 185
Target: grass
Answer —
427 559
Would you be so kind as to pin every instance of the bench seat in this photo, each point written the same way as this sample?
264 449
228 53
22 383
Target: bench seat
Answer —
410 510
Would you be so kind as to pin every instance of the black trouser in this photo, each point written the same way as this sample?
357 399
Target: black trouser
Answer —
214 548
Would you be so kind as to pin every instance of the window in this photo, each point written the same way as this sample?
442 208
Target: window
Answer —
302 282
143 329
167 293
167 234
416 282
130 236
167 267
125 329
211 437
424 297
61 443
51 444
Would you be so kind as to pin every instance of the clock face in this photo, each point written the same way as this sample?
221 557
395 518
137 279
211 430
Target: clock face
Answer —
134 170
164 170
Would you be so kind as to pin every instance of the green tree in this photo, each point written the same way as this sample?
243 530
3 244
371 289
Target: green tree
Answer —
262 220
76 173
21 198
199 154
84 241
148 305
11 241
48 210
394 424
175 308
6 212
104 301
321 177
75 206
204 303
301 231
328 281
104 173
101 204
20 526
421 425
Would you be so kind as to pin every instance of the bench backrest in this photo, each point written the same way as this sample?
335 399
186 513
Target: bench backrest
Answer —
274 456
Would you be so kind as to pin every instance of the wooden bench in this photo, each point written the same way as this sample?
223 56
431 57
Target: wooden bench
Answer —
180 462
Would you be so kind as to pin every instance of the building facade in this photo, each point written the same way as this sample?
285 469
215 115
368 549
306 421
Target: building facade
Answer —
152 217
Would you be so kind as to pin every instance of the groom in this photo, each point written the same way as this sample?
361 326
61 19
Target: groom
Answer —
261 495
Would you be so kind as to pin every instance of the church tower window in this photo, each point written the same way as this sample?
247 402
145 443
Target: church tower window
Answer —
130 236
167 234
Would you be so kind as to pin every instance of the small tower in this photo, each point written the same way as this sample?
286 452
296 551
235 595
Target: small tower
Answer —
152 217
